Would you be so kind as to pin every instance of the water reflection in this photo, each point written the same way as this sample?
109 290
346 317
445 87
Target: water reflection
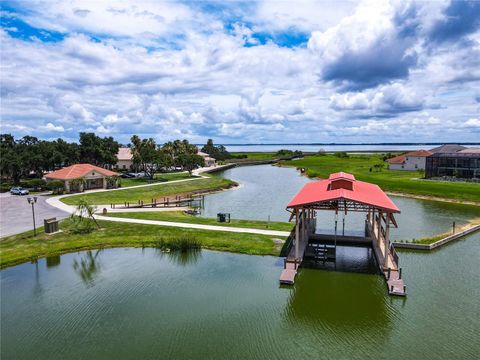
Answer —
182 258
358 259
88 266
52 261
339 302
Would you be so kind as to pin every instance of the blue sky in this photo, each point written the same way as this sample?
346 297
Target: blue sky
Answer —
242 71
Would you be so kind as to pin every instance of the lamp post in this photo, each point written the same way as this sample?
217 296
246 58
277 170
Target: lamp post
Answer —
32 201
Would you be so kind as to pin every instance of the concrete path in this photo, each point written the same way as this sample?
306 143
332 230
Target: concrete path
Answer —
55 201
195 226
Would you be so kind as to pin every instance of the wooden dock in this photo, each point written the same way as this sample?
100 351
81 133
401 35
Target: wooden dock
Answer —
389 267
292 262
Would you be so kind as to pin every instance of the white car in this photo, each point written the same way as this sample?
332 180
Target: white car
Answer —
18 191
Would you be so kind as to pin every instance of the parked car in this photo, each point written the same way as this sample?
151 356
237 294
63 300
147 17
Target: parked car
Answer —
127 175
18 191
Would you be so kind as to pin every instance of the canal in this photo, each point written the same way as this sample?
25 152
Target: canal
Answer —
266 190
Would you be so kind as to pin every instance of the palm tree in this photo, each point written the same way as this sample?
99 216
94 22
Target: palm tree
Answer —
85 210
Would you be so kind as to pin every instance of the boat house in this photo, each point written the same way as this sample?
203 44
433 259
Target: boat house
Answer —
342 193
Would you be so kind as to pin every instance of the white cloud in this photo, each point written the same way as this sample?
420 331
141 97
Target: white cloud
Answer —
52 127
113 73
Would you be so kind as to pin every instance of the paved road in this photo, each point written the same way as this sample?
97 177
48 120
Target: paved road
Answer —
16 213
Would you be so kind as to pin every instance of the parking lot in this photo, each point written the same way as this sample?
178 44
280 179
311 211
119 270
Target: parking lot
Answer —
16 213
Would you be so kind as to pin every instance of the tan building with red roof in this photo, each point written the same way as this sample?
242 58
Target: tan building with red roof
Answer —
124 159
80 177
414 160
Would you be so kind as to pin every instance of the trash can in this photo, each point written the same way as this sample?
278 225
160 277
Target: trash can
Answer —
50 225
223 217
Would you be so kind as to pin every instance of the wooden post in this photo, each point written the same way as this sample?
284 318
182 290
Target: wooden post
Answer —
304 226
297 231
387 236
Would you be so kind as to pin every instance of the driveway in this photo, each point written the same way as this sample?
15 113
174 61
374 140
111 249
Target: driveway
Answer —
16 213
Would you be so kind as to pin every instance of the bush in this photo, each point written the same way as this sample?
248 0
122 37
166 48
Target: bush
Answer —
181 244
284 152
35 184
5 186
57 187
80 225
341 155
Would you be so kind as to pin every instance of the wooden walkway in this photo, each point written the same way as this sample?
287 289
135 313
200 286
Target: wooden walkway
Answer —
291 264
390 270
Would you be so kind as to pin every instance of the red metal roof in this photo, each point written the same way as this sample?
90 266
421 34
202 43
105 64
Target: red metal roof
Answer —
77 171
341 175
362 192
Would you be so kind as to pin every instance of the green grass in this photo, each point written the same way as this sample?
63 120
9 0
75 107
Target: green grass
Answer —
148 193
160 177
180 216
24 247
408 182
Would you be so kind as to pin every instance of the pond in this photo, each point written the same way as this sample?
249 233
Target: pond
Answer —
145 304
266 190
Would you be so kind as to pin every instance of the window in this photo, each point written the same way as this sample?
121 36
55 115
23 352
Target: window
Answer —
416 166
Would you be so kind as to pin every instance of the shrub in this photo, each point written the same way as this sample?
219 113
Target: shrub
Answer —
182 244
341 155
57 187
35 184
80 225
5 186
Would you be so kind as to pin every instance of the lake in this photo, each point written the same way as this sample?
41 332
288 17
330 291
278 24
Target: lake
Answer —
266 190
134 304
331 147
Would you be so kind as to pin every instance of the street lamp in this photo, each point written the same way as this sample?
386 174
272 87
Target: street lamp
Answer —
32 201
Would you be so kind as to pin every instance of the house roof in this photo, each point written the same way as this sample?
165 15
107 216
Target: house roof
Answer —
124 153
77 171
361 192
447 148
201 153
397 159
419 153
470 151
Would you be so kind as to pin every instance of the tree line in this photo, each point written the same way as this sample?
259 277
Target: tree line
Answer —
30 157
150 157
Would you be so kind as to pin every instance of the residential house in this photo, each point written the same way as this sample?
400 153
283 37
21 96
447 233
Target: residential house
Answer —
463 163
414 160
124 159
209 161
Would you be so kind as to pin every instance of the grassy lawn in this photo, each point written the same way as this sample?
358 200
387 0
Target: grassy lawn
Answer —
160 177
151 192
24 247
180 216
408 182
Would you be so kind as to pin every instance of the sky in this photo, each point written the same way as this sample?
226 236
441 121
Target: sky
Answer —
242 71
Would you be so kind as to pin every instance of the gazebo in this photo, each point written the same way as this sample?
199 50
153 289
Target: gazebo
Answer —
342 193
